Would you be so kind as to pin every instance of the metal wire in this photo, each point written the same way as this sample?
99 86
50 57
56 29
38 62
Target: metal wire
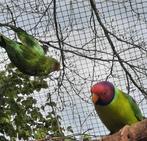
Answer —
87 53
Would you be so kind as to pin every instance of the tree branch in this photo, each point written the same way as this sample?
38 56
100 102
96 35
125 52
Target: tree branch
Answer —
136 132
107 34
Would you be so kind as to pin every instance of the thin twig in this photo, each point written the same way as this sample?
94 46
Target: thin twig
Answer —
107 34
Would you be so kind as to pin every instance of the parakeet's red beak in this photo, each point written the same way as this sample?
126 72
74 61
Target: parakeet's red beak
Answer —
95 98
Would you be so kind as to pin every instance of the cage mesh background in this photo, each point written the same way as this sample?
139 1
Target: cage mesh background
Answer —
88 56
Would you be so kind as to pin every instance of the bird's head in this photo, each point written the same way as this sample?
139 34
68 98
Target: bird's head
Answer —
102 93
51 65
56 66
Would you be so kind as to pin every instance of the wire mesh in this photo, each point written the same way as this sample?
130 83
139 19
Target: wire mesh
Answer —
88 56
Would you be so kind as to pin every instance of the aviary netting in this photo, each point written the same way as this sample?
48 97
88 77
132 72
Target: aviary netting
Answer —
94 41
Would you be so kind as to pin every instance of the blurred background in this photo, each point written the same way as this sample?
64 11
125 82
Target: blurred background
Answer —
60 104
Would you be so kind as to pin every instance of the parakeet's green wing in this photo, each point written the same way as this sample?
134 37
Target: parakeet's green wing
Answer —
134 106
28 40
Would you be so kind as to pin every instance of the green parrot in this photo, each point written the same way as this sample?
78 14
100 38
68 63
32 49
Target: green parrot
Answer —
114 107
28 55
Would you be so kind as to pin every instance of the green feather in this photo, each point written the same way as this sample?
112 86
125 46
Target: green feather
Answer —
28 56
121 111
134 106
28 40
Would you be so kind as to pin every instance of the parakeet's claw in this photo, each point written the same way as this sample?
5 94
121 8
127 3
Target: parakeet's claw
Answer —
124 132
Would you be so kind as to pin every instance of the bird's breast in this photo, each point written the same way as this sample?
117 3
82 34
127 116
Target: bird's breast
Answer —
116 114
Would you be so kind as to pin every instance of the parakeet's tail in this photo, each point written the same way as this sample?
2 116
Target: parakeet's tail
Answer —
2 41
6 42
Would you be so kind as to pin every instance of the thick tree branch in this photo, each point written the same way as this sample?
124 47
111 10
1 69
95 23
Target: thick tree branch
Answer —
136 132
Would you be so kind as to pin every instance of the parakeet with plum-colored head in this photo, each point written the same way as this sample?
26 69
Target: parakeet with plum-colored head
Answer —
28 55
114 107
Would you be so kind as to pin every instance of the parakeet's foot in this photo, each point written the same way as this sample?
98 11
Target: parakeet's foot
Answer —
124 132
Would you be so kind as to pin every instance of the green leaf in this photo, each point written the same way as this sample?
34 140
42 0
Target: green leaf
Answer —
69 128
19 115
40 133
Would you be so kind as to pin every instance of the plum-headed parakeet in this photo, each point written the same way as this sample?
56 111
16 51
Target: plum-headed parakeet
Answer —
114 107
28 55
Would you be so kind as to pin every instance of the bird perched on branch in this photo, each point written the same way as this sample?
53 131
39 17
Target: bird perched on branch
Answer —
28 55
114 107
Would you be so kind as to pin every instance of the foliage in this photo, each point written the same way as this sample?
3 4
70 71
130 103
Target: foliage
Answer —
19 115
